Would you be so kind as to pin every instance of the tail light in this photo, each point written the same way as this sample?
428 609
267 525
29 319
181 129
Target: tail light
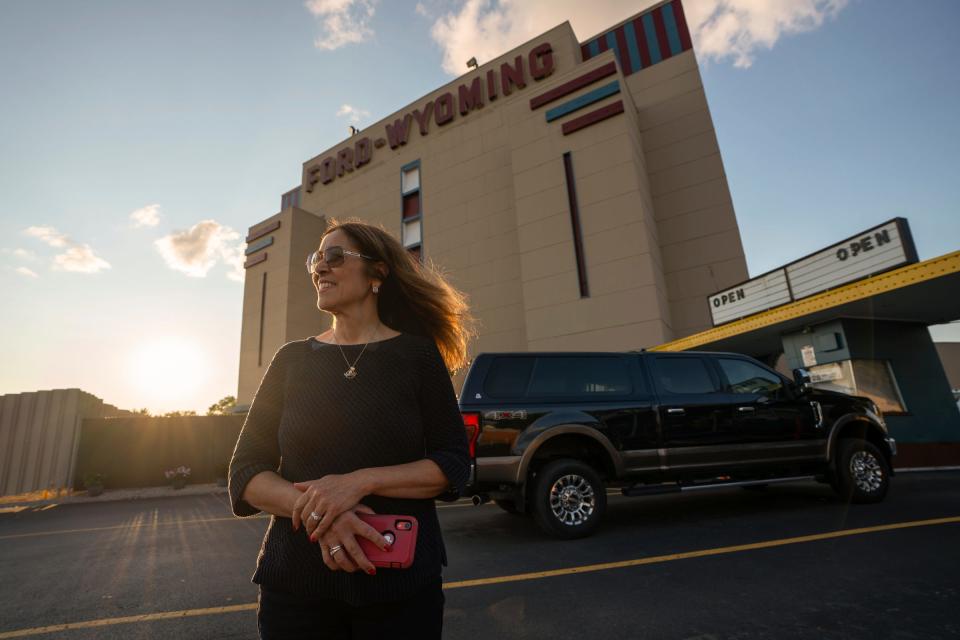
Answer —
471 422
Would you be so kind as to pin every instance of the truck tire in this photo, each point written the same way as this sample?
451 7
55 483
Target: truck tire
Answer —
862 473
569 499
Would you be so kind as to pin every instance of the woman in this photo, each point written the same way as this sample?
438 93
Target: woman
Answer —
361 418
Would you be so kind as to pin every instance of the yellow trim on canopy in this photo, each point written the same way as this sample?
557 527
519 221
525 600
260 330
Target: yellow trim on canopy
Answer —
875 285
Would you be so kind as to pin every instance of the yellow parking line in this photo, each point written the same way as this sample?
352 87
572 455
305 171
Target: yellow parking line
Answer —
146 617
697 554
518 577
11 509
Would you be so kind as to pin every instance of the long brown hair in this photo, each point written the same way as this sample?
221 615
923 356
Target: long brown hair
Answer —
413 298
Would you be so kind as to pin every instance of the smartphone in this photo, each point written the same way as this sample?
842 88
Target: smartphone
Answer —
400 531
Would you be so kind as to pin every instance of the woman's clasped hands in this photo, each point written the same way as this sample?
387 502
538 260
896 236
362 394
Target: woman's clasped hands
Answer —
336 499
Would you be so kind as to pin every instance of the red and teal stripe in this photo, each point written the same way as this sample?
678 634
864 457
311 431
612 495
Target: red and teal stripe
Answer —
645 40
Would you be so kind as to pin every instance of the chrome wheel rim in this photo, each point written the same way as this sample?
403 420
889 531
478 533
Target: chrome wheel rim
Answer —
866 471
572 499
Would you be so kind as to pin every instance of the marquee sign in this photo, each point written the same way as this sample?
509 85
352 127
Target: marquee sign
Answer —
440 111
875 250
767 291
868 253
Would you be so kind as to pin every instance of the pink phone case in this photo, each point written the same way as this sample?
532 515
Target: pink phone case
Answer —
402 529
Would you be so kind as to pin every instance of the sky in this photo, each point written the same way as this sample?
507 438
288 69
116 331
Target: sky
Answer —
140 140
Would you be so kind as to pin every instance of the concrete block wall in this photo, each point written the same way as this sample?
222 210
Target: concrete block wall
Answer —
39 436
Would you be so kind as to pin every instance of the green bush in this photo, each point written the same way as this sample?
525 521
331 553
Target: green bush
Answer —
90 478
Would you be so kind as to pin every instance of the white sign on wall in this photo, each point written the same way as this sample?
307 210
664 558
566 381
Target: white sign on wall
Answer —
873 251
750 297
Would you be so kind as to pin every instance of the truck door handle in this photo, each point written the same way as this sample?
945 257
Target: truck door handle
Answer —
676 411
818 413
745 409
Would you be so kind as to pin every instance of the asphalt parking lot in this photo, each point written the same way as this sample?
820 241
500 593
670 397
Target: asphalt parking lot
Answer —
791 562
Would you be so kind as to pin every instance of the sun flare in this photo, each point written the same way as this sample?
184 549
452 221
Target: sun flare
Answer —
166 370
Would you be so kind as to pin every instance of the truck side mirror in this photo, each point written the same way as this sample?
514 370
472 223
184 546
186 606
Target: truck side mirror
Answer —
802 378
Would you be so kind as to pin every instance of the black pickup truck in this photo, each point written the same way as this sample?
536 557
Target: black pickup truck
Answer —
550 432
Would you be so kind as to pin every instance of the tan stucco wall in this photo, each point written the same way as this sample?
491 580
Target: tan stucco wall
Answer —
289 306
657 221
697 228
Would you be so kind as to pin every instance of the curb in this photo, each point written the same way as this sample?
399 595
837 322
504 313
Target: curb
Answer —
145 493
118 495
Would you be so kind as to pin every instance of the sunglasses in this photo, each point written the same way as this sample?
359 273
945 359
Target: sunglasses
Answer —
333 256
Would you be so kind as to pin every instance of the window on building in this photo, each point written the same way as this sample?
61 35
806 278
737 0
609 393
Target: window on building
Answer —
411 205
411 233
411 209
410 178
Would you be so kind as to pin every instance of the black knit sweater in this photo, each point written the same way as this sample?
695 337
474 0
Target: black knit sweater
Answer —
307 420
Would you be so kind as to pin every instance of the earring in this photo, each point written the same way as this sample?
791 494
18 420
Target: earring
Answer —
376 288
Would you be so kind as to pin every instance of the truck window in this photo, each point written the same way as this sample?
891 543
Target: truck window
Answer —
593 376
746 377
508 376
684 375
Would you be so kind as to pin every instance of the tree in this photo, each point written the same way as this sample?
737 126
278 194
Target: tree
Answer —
223 406
141 412
177 414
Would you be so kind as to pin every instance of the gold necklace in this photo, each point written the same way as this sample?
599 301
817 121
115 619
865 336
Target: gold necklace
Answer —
351 372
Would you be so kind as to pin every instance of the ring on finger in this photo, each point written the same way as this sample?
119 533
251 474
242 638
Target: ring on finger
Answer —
314 515
334 549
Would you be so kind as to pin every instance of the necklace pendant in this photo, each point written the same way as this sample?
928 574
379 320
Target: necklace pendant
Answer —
350 373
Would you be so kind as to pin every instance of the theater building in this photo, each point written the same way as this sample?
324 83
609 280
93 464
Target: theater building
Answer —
573 188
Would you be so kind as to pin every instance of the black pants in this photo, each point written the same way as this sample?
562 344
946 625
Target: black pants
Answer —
284 616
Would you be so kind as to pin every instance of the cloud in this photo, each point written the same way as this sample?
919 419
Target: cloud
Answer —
199 248
148 216
721 29
342 22
26 272
353 113
737 29
421 10
78 257
22 254
49 235
25 254
233 257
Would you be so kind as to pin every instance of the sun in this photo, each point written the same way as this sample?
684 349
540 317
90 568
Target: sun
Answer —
168 370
